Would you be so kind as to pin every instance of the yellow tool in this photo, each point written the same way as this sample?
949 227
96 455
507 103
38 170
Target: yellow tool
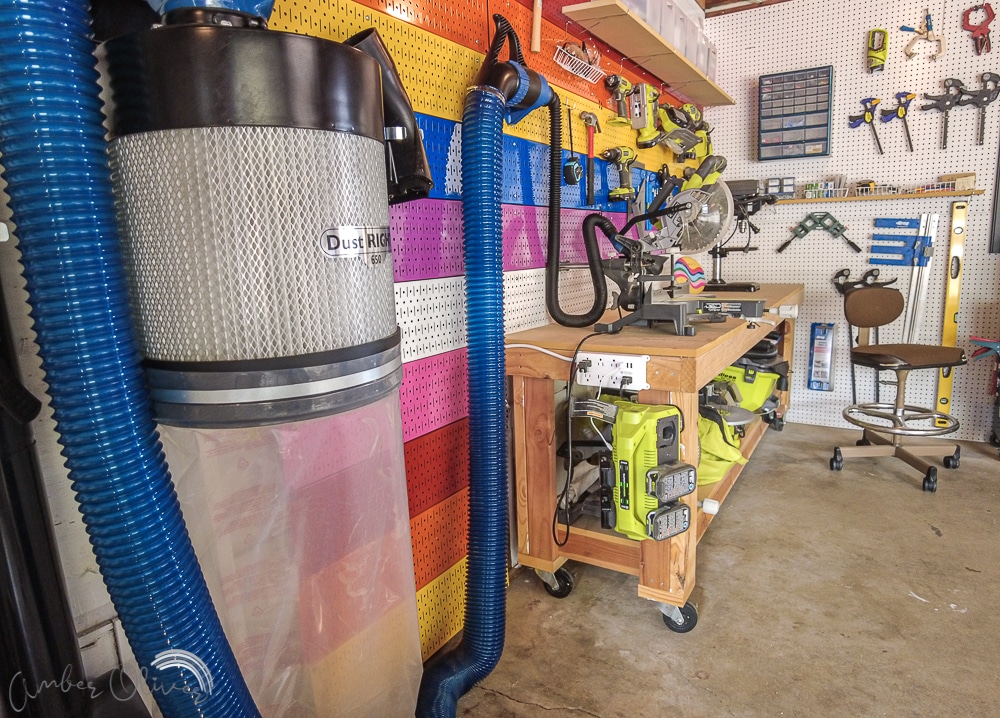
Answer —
620 90
642 105
623 159
878 48
949 331
687 134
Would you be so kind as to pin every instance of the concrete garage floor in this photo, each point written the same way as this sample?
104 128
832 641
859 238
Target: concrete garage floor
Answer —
819 594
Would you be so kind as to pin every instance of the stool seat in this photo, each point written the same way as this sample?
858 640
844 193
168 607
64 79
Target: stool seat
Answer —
907 356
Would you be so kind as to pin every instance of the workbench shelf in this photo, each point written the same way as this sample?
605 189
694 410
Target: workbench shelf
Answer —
678 367
870 198
616 24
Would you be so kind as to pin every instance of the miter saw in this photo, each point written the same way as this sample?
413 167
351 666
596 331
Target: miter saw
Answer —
690 221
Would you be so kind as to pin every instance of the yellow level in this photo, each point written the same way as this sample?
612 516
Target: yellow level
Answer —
949 330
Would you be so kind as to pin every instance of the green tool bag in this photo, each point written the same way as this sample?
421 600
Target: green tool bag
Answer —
719 447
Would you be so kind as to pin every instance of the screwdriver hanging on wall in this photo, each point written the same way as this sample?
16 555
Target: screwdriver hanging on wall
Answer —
868 118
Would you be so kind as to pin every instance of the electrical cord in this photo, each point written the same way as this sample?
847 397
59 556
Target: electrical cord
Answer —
564 495
539 349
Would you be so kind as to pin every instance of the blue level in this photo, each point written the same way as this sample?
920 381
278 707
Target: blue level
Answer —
895 223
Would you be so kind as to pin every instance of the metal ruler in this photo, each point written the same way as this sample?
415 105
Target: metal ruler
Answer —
949 330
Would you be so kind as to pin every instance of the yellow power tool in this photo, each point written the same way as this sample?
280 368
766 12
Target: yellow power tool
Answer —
623 158
620 90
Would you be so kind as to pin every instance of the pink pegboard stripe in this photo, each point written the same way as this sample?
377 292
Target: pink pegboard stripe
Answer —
434 392
525 236
427 238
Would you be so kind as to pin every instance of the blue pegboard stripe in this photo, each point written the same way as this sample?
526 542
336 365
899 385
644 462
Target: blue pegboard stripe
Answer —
525 165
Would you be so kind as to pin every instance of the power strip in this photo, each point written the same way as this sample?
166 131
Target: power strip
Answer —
610 370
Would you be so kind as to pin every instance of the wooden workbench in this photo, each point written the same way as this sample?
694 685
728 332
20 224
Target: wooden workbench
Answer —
678 367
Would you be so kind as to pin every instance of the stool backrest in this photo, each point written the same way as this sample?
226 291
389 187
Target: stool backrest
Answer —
868 307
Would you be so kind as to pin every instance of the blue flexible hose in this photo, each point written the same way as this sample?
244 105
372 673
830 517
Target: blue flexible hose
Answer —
448 679
52 147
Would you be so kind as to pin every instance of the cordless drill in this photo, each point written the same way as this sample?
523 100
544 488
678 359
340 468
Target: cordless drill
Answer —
623 159
620 90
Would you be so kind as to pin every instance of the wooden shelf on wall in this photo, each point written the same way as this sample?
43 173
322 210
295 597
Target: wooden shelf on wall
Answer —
616 24
869 198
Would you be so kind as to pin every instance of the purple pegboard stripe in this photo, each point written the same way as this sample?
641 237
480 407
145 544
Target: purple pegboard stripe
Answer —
434 392
427 238
525 236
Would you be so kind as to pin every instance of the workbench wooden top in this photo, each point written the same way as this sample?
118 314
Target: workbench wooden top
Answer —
677 362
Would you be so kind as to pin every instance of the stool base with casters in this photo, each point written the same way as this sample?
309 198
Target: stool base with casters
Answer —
885 425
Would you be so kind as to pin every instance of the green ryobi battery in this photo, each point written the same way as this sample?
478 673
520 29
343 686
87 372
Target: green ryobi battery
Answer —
646 440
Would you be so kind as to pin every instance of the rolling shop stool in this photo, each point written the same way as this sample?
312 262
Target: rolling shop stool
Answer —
884 425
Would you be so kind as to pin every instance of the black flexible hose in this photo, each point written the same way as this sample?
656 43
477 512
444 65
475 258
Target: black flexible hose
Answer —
589 236
504 32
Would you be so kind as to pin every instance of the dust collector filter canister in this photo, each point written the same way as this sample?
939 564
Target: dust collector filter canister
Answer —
255 235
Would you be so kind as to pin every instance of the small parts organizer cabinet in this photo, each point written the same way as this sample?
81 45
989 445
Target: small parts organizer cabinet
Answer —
677 369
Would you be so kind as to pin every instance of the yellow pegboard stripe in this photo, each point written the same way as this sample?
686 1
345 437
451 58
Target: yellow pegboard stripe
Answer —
436 72
441 608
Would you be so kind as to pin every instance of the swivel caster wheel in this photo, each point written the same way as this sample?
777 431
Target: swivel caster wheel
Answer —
837 462
994 439
680 619
953 461
778 424
930 480
558 584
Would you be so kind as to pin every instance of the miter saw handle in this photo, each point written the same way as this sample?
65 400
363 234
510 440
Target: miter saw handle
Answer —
706 174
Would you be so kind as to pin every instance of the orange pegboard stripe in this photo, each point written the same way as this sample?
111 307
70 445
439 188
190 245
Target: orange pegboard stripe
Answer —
440 537
441 608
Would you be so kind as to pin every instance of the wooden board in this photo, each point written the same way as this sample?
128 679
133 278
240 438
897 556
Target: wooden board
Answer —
619 26
870 198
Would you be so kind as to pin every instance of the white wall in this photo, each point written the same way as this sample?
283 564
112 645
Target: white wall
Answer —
810 33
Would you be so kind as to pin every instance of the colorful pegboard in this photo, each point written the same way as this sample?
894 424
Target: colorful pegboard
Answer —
437 465
434 392
441 608
439 537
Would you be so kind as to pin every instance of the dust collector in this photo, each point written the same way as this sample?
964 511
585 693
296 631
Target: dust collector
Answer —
253 171
250 171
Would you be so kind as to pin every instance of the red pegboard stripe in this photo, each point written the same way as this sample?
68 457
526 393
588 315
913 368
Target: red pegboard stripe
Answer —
440 537
437 466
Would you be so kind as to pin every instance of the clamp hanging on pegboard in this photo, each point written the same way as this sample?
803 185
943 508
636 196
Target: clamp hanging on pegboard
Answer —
987 93
868 118
902 108
925 31
954 91
821 220
980 31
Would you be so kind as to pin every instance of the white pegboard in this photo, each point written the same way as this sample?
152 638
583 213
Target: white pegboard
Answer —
431 316
813 33
431 313
524 297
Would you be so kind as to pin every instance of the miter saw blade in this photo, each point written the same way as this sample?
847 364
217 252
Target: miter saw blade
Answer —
699 227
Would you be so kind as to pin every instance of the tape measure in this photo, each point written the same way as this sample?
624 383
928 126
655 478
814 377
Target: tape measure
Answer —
949 328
